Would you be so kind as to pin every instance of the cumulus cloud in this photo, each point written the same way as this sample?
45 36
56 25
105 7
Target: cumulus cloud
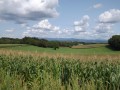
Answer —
82 25
111 16
103 28
107 20
23 10
98 5
43 27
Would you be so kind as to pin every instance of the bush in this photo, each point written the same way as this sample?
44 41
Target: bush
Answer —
114 42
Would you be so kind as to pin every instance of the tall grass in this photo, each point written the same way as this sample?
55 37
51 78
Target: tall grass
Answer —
35 71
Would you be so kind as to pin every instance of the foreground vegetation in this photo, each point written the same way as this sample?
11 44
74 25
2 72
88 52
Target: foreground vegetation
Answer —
42 71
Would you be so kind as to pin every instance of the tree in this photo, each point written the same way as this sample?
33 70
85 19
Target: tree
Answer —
55 45
114 42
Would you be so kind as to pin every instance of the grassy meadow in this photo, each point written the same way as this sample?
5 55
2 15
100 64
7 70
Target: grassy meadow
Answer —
26 67
88 49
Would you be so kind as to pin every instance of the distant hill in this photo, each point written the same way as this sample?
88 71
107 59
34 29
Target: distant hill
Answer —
80 40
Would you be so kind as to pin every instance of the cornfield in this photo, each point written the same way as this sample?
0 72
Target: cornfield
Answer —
39 71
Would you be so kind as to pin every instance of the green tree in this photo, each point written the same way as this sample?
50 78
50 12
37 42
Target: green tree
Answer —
114 42
55 45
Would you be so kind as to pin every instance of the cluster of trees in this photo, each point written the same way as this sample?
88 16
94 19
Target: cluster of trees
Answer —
38 42
114 42
6 40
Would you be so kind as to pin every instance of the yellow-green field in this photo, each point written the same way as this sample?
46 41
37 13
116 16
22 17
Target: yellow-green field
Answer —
81 46
26 67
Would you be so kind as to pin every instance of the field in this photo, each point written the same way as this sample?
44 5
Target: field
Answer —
26 67
99 49
89 46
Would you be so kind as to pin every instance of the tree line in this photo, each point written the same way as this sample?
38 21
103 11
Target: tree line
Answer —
38 42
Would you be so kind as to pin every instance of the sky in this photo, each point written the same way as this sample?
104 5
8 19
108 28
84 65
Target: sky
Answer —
81 19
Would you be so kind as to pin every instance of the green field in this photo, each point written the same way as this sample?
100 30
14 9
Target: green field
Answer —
64 50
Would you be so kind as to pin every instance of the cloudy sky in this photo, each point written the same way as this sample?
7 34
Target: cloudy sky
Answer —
82 19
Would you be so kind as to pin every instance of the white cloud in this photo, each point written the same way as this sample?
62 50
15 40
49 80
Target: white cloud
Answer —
98 5
82 25
103 28
24 25
111 16
9 33
45 25
43 28
23 10
10 30
107 20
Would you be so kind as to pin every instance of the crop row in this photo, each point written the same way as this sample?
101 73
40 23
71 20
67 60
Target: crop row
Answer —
44 73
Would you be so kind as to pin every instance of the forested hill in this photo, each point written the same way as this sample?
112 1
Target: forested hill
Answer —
38 42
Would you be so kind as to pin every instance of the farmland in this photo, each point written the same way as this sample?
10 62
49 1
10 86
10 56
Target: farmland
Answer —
99 49
26 67
59 45
89 46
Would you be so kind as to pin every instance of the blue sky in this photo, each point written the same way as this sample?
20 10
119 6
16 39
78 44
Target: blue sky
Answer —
82 19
